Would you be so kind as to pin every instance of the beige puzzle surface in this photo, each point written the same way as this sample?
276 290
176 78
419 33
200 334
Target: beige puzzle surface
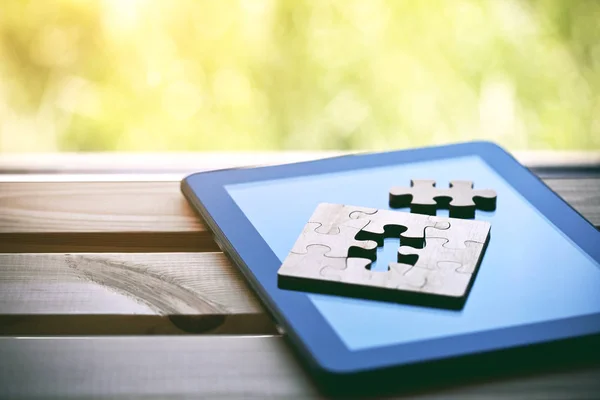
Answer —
437 259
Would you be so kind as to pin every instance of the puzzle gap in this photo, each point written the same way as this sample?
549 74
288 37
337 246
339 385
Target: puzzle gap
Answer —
443 213
386 254
390 232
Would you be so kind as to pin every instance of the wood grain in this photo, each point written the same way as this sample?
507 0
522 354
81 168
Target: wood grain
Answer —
95 207
126 294
97 217
217 367
145 216
109 294
582 194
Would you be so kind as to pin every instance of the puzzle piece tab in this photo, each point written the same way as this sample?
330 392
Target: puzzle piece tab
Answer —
460 198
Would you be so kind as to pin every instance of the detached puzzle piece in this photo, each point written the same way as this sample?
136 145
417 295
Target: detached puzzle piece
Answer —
330 257
460 198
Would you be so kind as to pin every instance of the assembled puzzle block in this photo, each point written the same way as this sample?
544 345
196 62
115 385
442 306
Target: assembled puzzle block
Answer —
423 197
330 256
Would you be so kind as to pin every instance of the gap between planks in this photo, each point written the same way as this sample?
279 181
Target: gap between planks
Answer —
120 294
145 216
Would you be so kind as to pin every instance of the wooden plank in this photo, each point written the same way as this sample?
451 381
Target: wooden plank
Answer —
145 216
582 194
217 367
98 217
95 207
48 294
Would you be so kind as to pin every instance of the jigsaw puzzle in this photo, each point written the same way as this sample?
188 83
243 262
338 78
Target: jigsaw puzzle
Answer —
460 198
334 252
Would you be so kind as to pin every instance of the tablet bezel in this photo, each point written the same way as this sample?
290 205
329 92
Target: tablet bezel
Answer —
305 325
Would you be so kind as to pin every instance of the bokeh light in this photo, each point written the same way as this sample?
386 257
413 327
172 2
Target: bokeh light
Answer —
157 75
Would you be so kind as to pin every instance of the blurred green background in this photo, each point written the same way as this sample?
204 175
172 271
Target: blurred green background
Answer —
122 75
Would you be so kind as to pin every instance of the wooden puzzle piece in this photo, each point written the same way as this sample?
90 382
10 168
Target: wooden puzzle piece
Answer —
354 270
341 242
461 231
460 198
310 264
333 216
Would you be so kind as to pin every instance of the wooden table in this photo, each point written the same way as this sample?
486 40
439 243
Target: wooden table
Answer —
110 286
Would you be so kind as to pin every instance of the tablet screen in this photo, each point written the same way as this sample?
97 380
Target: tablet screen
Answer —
531 271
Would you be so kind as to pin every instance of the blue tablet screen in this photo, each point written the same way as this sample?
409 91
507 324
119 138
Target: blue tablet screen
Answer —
530 273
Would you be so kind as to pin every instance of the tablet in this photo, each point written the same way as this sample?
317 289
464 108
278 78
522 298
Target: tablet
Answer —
539 280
